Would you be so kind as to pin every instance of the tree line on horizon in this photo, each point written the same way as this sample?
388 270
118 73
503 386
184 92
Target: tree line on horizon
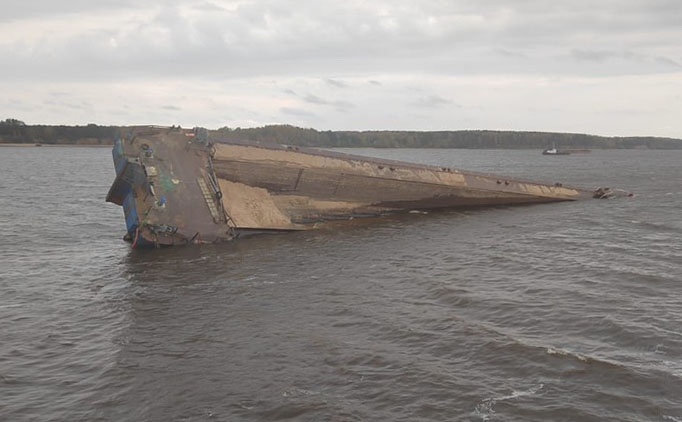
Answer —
16 131
13 131
475 139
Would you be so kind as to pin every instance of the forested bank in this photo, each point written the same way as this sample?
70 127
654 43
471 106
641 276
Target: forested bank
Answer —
488 139
16 131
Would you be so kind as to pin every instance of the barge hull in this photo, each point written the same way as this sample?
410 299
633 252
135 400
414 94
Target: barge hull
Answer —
178 187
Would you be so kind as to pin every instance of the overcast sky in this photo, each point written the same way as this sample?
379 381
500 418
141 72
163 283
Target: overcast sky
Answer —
603 67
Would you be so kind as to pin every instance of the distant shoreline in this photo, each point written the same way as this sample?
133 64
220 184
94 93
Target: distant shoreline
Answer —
16 133
577 152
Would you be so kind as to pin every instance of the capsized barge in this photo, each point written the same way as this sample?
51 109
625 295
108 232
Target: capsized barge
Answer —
177 187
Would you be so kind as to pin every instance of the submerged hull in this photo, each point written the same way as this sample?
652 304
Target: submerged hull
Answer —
176 187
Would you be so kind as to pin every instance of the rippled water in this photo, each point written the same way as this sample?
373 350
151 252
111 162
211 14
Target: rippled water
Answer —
561 312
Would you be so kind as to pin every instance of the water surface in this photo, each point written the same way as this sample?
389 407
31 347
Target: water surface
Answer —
559 312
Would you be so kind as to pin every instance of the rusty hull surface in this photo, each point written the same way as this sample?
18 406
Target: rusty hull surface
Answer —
177 187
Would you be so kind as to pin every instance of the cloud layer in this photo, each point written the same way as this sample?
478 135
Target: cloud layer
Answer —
610 67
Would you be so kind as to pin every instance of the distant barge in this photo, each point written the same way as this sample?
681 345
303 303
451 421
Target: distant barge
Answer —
178 187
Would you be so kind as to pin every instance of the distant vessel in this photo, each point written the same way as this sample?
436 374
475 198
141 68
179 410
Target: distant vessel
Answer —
554 151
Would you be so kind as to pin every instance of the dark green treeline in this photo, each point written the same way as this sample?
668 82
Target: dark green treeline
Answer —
16 131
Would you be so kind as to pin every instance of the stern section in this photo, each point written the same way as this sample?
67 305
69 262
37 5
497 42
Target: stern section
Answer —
166 186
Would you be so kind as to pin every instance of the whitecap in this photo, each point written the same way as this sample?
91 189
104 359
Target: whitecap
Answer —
560 352
485 409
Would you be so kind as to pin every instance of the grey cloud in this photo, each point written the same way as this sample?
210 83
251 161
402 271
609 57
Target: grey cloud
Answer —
313 99
22 9
592 55
668 61
510 53
432 101
297 112
66 101
336 83
339 105
227 50
342 106
171 107
602 56
75 106
209 6
278 37
119 112
20 105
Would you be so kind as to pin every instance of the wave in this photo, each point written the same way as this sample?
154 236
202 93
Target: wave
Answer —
656 226
485 409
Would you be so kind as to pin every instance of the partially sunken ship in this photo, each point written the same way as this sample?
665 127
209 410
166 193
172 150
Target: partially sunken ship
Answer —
177 187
